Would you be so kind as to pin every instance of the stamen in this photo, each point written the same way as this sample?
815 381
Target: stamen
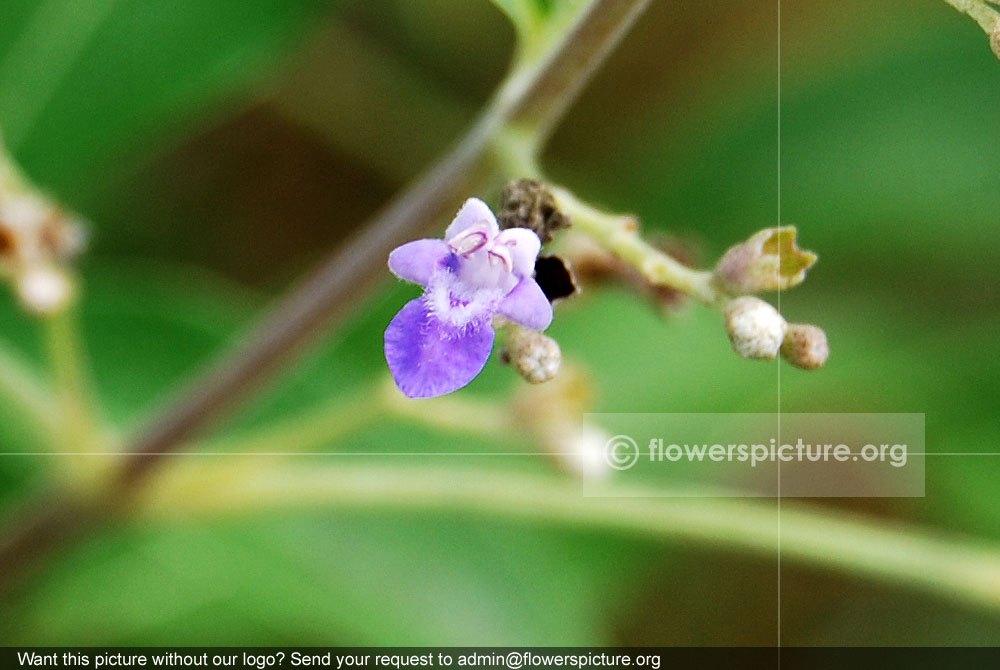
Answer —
499 253
468 242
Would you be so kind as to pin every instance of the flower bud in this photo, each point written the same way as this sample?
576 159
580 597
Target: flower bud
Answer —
534 355
44 289
36 237
755 328
805 346
768 261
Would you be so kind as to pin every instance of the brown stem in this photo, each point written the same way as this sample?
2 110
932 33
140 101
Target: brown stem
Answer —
342 281
568 69
536 100
41 527
353 271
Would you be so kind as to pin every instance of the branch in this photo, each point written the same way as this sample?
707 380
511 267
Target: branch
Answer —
959 570
979 10
534 95
620 236
43 526
985 15
544 98
79 426
21 387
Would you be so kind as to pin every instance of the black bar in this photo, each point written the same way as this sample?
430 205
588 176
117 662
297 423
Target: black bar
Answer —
510 658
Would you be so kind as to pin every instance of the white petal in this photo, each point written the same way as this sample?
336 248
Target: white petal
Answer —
524 246
473 211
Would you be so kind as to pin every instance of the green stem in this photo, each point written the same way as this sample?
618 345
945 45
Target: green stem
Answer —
619 235
79 428
308 431
548 79
321 426
20 386
980 11
952 568
535 95
532 99
454 413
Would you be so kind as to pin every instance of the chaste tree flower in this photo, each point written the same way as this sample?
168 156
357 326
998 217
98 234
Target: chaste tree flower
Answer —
440 341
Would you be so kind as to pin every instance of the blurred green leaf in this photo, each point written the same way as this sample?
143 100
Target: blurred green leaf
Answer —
886 125
353 578
312 576
86 87
887 143
319 578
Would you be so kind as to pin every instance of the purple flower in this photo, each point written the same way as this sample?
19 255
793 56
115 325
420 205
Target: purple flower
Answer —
440 341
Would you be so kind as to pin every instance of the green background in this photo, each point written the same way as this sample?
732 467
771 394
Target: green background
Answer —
219 148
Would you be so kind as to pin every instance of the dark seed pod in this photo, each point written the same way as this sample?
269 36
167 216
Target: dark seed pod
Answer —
555 278
526 203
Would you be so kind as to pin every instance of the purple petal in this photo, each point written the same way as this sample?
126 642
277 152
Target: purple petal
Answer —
428 358
416 261
527 305
523 245
473 211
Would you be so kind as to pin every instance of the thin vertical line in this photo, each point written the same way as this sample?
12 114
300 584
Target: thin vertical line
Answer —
779 311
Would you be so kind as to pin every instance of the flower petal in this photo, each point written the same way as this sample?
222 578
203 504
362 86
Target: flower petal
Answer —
473 211
523 245
527 305
416 261
428 358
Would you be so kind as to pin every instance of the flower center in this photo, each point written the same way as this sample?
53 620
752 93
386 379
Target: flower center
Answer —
469 289
477 238
470 240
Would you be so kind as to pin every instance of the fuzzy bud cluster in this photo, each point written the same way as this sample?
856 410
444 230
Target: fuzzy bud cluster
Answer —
755 328
758 331
534 355
36 238
805 346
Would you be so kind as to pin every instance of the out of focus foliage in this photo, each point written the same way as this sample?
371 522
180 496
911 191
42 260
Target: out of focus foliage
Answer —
216 145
